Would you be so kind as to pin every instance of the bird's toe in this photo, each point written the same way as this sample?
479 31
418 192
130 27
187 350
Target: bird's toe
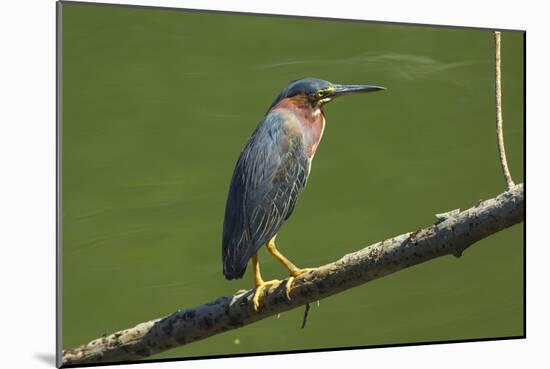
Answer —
294 274
289 286
256 300
298 272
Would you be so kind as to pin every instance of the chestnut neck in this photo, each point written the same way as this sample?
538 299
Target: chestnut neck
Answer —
311 119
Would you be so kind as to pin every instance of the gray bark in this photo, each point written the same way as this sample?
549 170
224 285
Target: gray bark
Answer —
452 233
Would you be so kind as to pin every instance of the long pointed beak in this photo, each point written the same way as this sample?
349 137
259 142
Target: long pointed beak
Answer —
340 90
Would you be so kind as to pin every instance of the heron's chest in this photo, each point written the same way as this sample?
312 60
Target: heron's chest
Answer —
304 122
313 132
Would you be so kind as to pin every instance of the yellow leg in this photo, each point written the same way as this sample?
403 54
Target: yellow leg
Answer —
292 269
259 283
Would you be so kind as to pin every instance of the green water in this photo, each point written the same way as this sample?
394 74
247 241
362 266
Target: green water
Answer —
157 105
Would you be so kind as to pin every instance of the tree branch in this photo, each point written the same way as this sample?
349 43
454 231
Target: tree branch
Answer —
452 233
498 98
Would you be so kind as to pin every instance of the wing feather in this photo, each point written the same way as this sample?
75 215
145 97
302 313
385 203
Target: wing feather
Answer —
270 174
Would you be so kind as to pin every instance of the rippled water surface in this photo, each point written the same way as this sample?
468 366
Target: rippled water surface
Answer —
157 105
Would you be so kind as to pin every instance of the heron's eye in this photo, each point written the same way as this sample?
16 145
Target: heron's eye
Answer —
320 94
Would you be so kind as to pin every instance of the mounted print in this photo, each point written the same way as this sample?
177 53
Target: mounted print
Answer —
239 184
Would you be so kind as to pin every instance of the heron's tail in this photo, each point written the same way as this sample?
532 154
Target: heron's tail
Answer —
233 271
235 255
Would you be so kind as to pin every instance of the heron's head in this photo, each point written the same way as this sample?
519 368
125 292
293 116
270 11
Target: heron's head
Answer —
319 92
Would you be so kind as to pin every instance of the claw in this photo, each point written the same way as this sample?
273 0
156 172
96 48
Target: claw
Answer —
291 279
259 292
289 286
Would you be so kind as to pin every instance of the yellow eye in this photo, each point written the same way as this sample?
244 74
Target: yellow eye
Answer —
320 94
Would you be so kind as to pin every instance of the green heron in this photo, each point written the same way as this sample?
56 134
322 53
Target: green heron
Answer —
270 174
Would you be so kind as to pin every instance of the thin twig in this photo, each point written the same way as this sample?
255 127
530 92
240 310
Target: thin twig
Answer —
306 312
448 237
500 136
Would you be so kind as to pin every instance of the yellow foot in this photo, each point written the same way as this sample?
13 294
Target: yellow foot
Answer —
259 291
294 274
